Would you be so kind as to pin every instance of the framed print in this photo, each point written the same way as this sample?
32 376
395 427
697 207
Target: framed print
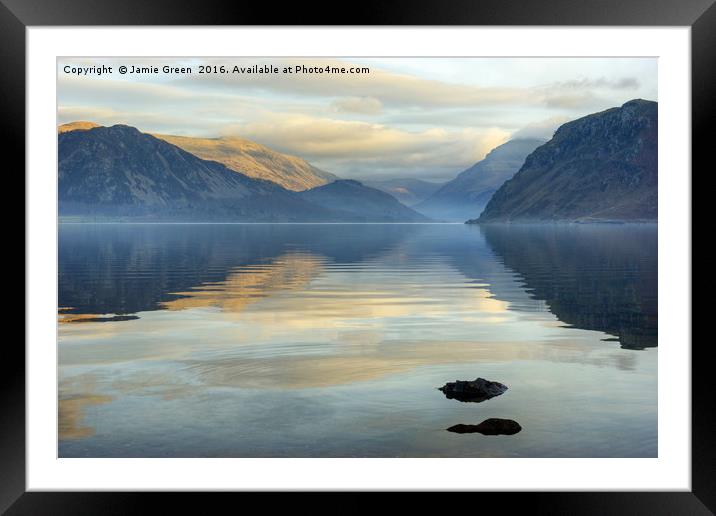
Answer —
424 252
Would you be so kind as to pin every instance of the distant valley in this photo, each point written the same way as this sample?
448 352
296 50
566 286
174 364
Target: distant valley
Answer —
408 191
466 196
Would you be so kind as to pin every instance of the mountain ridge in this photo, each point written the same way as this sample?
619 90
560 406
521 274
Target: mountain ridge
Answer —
118 172
240 155
254 160
79 125
601 167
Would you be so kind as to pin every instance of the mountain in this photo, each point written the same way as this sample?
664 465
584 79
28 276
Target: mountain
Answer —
254 160
244 156
598 168
466 195
408 191
119 172
361 203
80 125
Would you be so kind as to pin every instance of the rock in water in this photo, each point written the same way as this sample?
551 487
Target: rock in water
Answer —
474 391
492 426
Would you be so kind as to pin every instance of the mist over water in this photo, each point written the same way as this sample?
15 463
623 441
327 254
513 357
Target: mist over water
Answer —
265 340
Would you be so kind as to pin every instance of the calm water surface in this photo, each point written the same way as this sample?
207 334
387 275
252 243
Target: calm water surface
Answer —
330 340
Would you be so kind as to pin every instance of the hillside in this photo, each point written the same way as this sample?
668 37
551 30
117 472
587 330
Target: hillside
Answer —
120 172
80 125
599 167
254 160
240 155
361 203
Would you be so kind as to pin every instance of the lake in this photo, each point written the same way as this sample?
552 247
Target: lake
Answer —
330 340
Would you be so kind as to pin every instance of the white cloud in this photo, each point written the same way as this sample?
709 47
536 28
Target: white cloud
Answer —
364 105
334 138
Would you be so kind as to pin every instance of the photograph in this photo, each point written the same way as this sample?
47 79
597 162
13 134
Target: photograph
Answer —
423 250
357 257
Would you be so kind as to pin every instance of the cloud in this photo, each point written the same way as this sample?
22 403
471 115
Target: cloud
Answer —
571 101
543 129
119 92
363 105
349 147
390 88
583 93
624 83
333 137
385 86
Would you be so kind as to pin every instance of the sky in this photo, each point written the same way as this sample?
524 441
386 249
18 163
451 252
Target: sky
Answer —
426 118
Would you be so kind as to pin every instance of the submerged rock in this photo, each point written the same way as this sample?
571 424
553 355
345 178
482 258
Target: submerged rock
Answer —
473 391
492 426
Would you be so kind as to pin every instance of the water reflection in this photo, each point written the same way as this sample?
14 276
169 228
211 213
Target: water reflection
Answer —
129 268
76 394
196 339
250 283
594 277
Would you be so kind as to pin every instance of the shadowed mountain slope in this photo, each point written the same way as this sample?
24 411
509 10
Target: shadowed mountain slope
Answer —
120 172
241 155
360 202
599 167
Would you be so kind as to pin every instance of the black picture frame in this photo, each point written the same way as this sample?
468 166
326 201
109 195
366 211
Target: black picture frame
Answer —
16 15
